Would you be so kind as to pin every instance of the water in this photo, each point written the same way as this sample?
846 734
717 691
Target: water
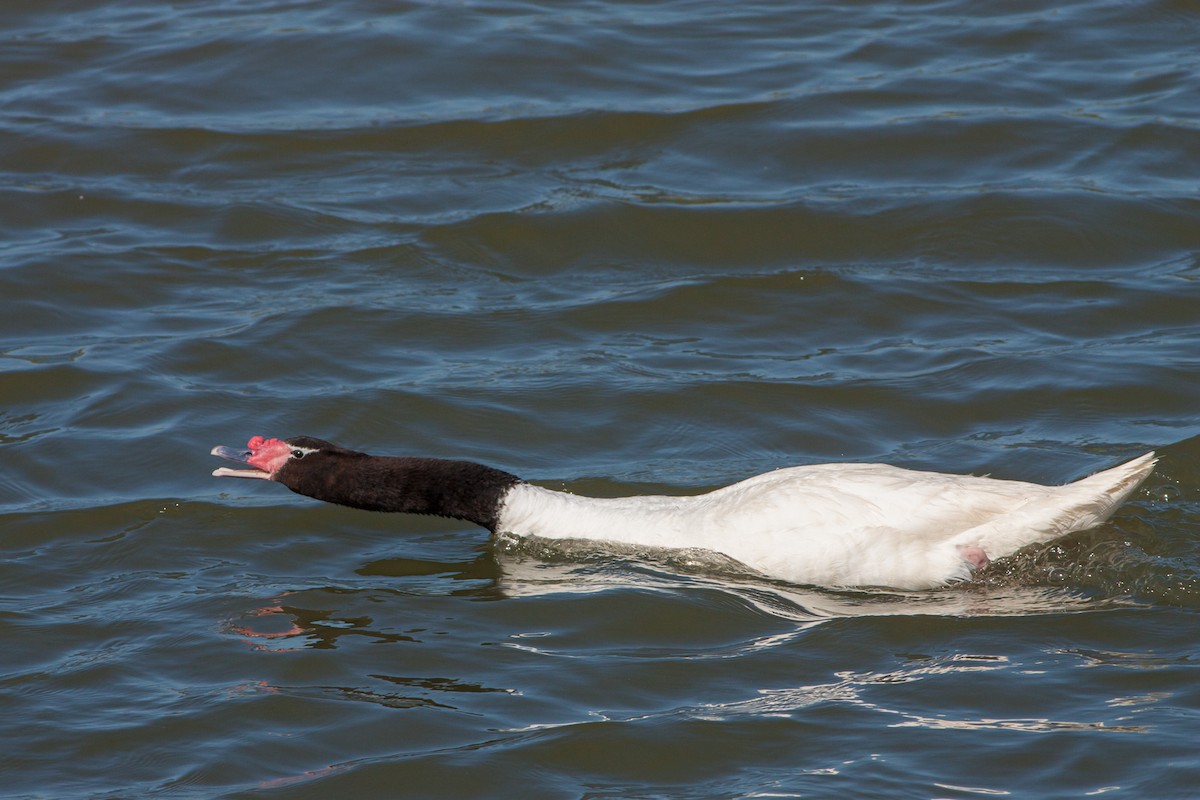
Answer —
617 248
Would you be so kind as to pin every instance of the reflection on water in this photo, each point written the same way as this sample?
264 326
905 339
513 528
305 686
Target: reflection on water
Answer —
289 626
524 568
542 567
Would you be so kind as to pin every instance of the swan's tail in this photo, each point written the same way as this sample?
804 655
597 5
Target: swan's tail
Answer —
1065 509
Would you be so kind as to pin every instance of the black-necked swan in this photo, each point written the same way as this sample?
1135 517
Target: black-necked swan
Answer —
841 525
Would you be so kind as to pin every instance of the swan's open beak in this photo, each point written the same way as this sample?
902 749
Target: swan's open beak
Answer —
242 457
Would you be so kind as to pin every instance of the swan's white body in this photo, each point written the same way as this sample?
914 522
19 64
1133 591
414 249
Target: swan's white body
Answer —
839 524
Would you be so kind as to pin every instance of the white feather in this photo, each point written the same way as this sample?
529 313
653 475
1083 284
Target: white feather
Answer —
839 524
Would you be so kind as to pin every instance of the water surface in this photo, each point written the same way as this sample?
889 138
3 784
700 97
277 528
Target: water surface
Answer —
614 248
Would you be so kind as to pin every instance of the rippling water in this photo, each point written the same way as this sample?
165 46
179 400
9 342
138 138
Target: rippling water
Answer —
616 247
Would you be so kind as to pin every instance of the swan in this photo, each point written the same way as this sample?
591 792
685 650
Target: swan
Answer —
833 525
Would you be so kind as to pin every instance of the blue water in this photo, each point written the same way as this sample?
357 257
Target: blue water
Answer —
615 248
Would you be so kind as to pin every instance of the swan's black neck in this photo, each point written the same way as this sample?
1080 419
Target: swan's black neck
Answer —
457 489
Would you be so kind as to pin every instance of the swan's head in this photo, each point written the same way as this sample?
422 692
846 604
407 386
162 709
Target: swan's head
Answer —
270 459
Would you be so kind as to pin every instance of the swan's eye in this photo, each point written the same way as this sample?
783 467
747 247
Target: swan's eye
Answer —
297 454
